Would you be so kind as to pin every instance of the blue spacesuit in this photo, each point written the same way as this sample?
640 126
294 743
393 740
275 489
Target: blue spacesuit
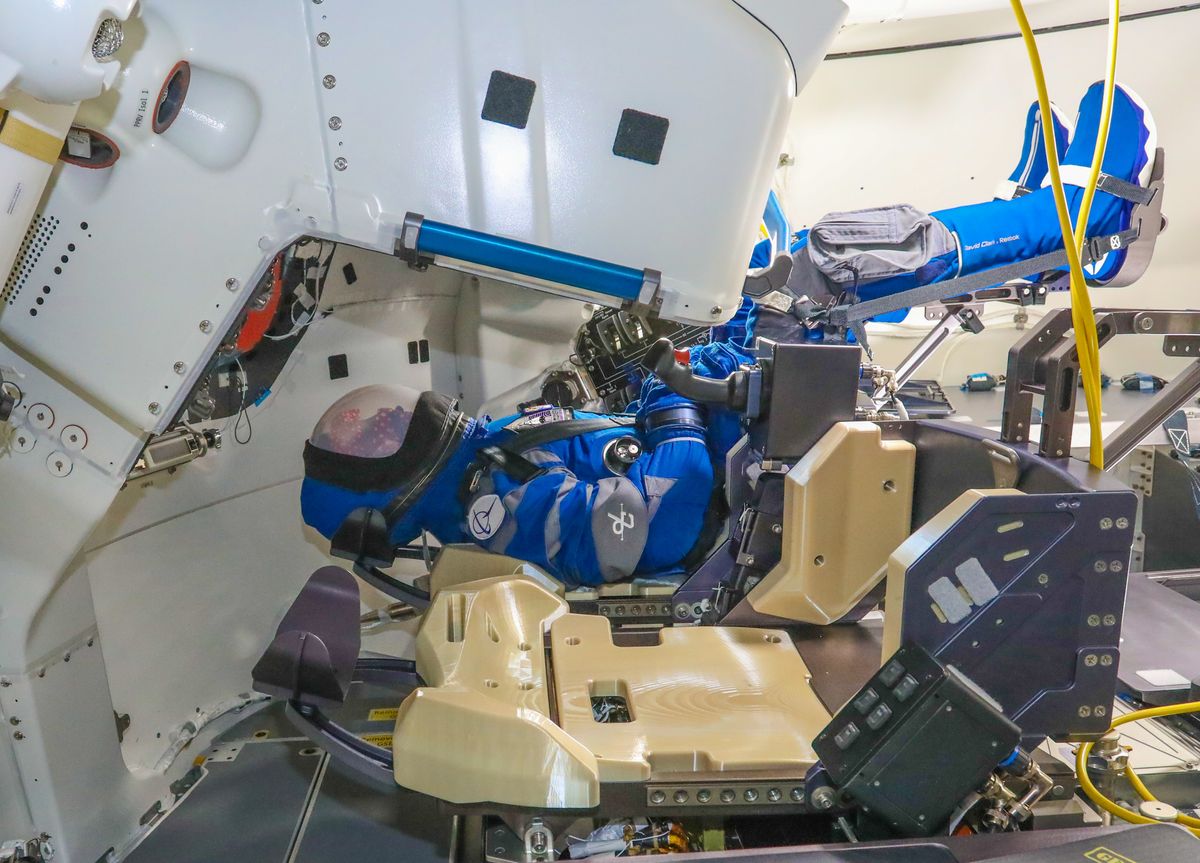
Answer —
590 498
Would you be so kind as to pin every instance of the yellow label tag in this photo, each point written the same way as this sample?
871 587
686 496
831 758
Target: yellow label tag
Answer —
383 714
1104 855
383 740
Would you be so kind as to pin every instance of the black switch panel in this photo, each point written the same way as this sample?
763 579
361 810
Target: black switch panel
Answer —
916 740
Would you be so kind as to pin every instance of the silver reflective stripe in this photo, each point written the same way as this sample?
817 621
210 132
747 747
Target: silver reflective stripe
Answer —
619 527
656 488
542 457
508 530
682 440
552 535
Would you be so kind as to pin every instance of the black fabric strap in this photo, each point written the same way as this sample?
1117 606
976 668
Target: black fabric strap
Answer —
523 441
1119 188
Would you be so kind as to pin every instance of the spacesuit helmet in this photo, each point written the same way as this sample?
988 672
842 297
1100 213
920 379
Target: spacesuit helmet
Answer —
368 460
370 422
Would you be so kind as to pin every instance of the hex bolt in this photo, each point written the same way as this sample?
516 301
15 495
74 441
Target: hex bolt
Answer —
340 163
329 81
154 408
206 326
335 123
232 284
322 39
180 368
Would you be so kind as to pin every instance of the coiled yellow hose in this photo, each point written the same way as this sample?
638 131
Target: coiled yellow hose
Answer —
1083 318
1114 808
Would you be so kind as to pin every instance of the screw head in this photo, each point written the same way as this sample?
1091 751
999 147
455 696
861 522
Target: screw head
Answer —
18 735
797 794
154 408
777 529
340 163
1147 324
1093 620
5 682
14 721
1106 524
335 123
703 795
1101 566
715 310
1116 566
1122 523
322 39
206 326
1043 579
1085 712
1110 620
774 795
727 795
232 284
683 611
681 796
329 82
180 368
751 795
658 797
1090 660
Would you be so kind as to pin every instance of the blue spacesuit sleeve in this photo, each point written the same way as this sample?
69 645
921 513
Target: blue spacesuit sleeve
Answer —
729 349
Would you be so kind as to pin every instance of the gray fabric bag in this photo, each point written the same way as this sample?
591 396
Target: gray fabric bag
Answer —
863 245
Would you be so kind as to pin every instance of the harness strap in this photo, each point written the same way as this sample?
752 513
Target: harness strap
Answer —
507 456
1077 175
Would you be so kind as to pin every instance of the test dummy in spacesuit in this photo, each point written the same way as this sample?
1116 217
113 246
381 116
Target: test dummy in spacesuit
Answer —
589 498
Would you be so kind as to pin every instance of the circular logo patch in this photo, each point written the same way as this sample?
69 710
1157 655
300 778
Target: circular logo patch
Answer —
485 516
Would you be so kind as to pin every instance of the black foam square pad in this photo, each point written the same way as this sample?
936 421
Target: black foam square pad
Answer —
641 136
509 100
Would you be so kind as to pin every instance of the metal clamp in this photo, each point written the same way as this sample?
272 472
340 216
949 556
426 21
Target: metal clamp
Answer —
406 243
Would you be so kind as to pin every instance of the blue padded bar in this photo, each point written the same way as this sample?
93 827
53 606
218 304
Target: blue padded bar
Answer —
526 259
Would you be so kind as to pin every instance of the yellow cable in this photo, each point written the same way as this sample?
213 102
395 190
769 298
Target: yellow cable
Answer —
1083 317
1114 808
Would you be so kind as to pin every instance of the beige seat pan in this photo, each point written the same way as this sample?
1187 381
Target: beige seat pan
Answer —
491 729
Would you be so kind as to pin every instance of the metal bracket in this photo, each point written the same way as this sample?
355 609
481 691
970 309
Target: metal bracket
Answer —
406 243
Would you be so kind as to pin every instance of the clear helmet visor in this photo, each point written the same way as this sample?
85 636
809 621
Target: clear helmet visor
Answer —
369 422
